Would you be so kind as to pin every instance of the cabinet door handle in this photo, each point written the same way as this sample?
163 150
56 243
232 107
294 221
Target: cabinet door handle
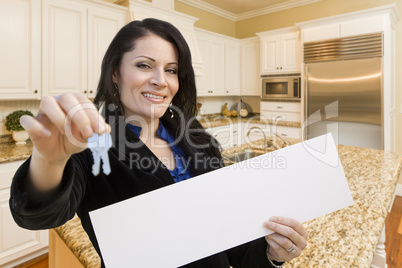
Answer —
85 91
277 68
36 91
281 68
90 91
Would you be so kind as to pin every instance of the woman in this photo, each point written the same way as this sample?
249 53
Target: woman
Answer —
148 95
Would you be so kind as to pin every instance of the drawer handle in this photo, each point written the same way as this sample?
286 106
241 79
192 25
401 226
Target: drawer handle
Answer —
285 135
279 107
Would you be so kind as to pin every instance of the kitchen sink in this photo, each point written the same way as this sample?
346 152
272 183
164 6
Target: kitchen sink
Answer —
230 159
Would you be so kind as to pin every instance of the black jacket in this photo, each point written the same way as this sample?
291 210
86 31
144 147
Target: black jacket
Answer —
80 192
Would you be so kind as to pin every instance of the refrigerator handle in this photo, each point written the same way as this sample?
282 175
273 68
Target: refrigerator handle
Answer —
305 124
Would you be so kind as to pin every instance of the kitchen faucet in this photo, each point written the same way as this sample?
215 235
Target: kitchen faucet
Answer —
285 142
270 142
263 133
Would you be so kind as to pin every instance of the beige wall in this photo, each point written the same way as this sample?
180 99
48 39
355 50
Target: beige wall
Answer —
207 20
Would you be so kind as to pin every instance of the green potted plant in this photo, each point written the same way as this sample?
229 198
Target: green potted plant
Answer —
12 124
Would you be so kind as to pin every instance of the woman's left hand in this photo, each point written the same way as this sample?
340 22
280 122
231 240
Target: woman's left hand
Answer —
288 240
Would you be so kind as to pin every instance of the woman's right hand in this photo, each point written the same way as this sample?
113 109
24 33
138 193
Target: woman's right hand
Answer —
61 128
63 125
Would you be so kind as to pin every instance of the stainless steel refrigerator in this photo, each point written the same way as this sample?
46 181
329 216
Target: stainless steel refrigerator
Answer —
343 91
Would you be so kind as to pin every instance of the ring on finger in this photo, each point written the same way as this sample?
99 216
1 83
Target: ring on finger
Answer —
292 249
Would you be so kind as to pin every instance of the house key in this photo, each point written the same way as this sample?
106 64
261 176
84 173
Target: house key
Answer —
99 146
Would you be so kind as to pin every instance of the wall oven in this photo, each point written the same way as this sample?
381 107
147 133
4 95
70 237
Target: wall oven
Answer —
281 87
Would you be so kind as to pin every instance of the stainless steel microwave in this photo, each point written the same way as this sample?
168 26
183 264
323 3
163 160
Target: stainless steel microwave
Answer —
281 87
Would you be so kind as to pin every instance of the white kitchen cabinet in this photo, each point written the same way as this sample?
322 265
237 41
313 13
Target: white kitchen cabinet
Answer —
321 32
64 35
342 27
229 135
287 132
17 245
281 111
280 51
75 36
103 24
232 67
212 80
20 49
221 61
250 67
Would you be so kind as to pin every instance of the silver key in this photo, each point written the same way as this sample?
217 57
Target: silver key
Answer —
99 146
97 160
105 159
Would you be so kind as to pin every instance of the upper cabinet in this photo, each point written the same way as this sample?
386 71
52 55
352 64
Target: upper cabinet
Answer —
250 67
280 51
221 65
75 36
54 46
345 27
20 49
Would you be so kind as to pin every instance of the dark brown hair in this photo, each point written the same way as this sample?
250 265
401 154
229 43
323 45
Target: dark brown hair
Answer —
184 100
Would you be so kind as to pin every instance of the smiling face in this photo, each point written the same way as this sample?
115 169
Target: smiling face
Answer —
148 78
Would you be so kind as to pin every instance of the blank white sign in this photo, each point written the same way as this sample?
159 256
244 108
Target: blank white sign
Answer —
193 219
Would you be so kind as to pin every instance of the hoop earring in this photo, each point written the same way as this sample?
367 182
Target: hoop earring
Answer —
170 110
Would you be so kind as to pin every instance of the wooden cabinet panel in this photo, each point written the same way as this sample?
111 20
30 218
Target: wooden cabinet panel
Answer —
60 256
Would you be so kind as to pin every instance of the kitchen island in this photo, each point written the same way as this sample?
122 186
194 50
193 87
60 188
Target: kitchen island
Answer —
345 238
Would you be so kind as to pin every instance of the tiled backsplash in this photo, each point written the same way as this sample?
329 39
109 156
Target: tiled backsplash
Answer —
7 107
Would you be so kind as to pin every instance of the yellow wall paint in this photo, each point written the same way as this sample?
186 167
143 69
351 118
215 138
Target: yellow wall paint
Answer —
326 8
208 21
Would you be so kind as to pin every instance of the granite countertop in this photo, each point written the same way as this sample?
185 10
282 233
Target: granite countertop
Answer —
345 238
9 151
216 120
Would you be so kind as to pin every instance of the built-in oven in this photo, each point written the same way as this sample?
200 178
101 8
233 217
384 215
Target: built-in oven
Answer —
281 87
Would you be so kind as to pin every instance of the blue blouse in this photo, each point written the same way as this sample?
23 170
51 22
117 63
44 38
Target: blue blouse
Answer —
182 171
